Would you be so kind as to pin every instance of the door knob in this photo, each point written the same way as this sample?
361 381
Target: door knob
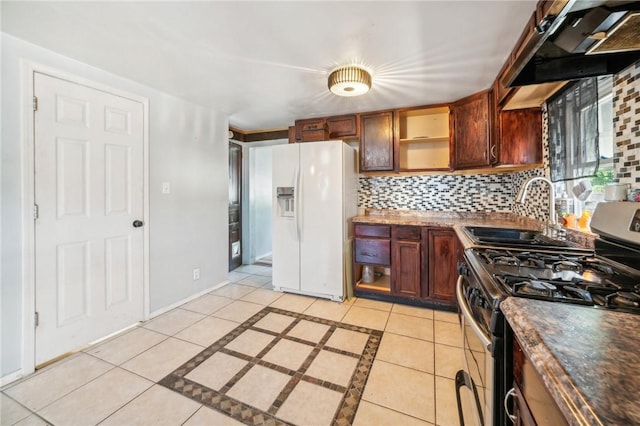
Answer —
137 223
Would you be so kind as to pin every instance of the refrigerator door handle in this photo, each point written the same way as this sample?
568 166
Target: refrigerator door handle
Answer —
298 214
296 200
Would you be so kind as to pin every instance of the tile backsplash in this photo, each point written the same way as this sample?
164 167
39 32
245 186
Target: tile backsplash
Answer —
626 125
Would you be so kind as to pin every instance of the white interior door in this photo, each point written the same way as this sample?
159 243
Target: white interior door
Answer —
89 188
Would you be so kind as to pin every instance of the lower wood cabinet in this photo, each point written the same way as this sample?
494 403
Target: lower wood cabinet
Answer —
412 263
443 251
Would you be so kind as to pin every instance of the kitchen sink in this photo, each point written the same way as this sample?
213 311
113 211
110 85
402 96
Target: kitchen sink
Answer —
502 237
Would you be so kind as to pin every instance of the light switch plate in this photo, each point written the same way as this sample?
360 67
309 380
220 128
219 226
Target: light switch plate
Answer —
166 188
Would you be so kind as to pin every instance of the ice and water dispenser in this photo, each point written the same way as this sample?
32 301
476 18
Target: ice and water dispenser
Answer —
286 201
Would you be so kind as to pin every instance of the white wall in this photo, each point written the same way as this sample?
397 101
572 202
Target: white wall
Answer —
260 201
188 147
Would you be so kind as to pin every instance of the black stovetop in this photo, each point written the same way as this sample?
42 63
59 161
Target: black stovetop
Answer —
564 276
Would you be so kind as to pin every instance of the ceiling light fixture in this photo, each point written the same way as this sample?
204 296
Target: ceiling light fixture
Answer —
350 80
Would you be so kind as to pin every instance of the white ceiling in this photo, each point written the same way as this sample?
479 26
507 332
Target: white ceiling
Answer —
266 63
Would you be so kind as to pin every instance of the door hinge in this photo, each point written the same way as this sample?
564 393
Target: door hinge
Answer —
36 319
36 212
35 103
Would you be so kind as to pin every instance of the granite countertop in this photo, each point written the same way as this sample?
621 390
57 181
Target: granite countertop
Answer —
457 220
587 357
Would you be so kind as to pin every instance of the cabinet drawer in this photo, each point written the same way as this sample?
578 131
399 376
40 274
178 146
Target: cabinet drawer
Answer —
374 252
410 233
382 231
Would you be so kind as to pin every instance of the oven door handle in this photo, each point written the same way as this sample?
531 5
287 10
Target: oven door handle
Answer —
466 312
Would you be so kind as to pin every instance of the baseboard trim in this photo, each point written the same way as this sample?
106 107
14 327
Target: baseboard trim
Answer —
10 378
187 299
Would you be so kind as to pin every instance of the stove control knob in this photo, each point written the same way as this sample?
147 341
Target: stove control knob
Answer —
463 269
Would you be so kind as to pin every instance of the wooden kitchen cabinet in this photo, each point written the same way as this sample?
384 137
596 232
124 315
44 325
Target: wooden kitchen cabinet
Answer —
311 130
372 249
406 261
413 264
344 126
443 250
423 139
376 142
532 401
521 136
471 118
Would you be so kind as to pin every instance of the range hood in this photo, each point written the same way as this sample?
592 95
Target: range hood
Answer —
583 39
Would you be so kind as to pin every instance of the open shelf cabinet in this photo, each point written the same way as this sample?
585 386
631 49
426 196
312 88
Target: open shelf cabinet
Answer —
423 139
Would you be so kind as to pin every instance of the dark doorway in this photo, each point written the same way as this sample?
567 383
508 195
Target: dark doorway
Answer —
235 205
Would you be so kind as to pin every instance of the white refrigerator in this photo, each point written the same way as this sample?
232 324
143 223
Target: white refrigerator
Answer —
315 197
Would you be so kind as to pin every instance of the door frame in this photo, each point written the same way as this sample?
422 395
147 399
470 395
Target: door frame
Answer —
28 197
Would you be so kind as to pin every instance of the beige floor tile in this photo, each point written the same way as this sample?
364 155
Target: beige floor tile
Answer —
217 370
157 406
58 379
162 359
288 354
293 302
259 387
332 367
255 280
10 411
449 360
124 347
446 316
250 342
238 311
446 403
401 389
447 333
96 400
206 331
420 328
207 304
173 321
274 322
373 304
364 317
207 417
310 331
33 420
407 352
413 311
233 291
310 404
262 296
369 414
347 340
235 276
327 309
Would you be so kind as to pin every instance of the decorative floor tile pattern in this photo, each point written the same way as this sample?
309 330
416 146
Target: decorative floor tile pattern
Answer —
286 328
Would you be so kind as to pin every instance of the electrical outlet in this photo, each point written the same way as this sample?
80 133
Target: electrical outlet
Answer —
196 274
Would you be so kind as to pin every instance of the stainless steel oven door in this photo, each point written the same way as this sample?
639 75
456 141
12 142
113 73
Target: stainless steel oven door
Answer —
474 384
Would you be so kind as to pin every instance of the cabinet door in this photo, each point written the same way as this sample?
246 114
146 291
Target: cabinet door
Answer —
311 130
343 126
521 136
406 265
443 253
471 129
376 141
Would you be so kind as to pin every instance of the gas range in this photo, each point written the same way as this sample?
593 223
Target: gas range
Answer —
561 276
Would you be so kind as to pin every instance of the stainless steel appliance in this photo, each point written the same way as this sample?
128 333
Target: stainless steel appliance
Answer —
606 278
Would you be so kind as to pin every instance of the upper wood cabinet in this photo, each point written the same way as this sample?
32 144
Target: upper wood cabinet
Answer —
311 129
471 131
521 136
376 142
343 126
423 139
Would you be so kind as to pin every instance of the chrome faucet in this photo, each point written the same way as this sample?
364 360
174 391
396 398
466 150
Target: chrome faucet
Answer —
553 220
